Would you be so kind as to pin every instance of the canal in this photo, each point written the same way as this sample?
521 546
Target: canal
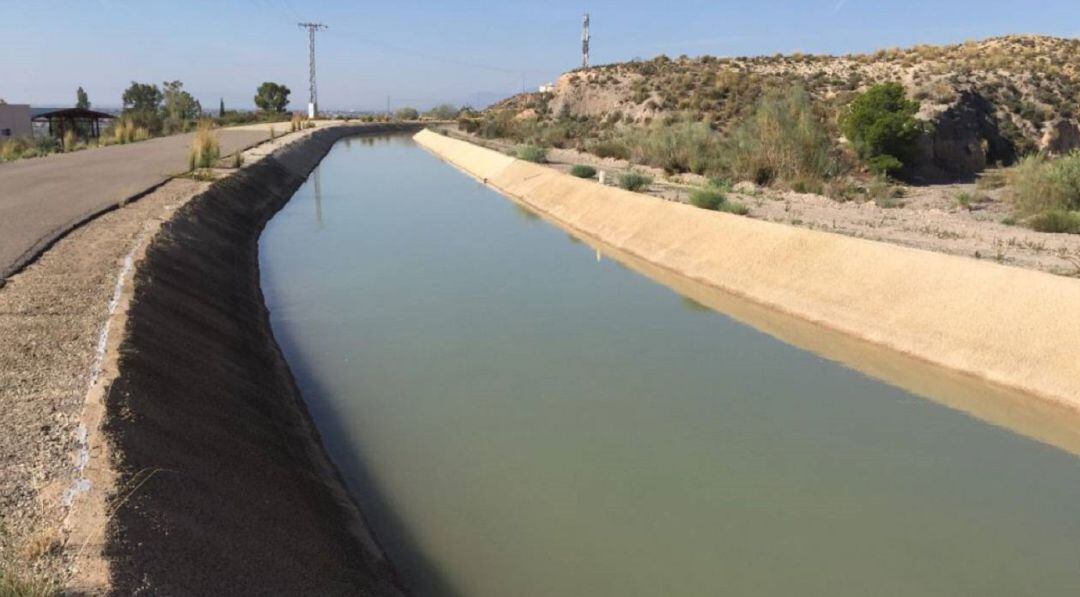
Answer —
520 414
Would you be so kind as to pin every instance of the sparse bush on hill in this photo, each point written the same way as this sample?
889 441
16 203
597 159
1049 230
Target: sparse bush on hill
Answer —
532 153
782 141
676 146
634 181
1056 220
714 199
583 171
1048 192
881 126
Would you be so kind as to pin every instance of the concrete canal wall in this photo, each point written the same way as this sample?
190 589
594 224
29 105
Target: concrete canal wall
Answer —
1014 327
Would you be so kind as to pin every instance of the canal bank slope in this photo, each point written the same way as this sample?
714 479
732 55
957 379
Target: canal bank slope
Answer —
222 483
1010 326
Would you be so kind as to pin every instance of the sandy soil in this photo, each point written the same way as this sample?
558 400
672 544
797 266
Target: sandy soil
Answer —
50 318
926 217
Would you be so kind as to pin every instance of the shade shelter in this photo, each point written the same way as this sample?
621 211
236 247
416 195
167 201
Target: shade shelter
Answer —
83 121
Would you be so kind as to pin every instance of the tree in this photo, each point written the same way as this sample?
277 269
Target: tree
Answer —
881 126
406 114
141 104
142 97
272 97
443 112
179 105
82 101
221 109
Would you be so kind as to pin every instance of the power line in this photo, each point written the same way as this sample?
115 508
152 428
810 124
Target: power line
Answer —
313 102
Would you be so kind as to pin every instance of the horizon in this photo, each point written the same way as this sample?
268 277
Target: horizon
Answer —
425 56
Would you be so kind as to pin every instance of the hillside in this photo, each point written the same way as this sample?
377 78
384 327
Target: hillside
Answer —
989 102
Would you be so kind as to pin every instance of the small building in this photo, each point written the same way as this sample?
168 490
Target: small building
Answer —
547 88
83 121
14 120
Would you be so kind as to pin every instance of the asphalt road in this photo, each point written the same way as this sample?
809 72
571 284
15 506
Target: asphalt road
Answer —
41 199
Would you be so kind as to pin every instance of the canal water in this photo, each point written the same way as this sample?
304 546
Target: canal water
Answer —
520 415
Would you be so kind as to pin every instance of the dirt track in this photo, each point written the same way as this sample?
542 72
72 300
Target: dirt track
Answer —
43 198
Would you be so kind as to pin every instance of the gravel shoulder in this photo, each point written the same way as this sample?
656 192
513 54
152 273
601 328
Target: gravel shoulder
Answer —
51 317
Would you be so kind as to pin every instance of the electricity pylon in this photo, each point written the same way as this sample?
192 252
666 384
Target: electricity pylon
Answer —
313 102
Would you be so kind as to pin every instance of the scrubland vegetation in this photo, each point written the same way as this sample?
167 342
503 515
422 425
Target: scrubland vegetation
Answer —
852 128
1046 192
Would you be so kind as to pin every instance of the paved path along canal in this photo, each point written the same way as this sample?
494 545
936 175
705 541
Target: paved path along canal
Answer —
43 198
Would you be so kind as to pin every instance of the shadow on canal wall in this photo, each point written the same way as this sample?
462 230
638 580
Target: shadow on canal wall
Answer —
1016 328
230 489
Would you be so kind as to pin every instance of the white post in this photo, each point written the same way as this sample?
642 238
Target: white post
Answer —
311 110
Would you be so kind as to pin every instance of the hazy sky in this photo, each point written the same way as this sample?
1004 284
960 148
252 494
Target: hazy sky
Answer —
422 53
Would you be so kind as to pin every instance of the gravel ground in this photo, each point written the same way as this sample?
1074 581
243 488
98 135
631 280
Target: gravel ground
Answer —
50 318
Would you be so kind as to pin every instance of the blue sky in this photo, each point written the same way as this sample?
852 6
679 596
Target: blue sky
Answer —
422 53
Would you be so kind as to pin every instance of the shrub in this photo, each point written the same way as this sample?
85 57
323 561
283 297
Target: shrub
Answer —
582 171
880 124
532 153
204 150
634 181
674 146
707 198
732 207
1056 220
610 149
1040 184
70 139
782 140
406 114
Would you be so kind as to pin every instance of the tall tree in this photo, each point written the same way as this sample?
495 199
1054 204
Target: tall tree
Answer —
221 109
272 97
82 101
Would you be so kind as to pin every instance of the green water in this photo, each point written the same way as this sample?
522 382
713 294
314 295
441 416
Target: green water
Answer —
518 418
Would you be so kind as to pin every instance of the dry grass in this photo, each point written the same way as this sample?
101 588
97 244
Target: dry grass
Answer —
205 150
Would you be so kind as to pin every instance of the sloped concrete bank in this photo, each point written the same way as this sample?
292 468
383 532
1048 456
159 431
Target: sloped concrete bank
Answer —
222 483
1014 327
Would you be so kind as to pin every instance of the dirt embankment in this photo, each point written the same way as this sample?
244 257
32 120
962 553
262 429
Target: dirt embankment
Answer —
224 487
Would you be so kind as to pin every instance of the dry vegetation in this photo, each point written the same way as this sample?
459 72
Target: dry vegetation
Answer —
1005 106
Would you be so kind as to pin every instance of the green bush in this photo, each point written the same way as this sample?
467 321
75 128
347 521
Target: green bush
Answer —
406 114
1056 220
582 171
880 124
674 146
532 153
610 149
707 198
634 181
783 140
1040 184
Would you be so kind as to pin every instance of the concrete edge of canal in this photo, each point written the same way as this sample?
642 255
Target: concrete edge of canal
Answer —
222 482
1014 327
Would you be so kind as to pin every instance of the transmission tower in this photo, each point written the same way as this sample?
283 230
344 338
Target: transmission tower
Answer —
313 103
585 42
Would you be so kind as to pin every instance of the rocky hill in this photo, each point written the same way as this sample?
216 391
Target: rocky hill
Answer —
988 101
